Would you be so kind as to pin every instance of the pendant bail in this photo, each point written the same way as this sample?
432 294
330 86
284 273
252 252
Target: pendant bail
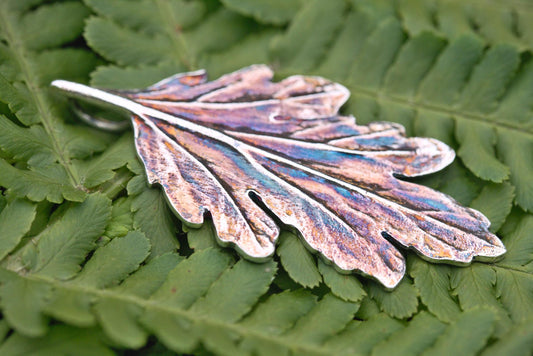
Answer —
93 96
99 122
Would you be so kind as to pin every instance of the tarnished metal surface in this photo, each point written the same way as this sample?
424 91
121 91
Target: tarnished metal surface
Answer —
244 149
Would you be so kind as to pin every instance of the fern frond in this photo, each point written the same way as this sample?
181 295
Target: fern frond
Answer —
31 145
61 340
514 274
63 245
121 221
29 60
495 202
197 296
417 336
254 48
475 286
468 334
152 216
401 303
102 168
346 287
360 338
505 287
167 40
495 22
278 13
23 213
308 35
150 17
518 341
299 263
51 183
54 253
433 282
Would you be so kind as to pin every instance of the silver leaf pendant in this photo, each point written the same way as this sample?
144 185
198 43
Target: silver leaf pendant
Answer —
256 154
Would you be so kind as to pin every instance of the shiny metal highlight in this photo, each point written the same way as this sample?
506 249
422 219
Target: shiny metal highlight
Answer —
212 145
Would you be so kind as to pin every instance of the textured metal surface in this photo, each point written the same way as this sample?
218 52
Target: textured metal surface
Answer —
246 149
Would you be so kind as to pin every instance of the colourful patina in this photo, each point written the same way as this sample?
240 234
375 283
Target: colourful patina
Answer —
257 154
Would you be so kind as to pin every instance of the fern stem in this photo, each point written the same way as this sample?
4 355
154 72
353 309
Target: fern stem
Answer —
241 330
413 103
15 43
179 43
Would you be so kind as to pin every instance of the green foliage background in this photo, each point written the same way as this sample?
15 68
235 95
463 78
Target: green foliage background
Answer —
93 262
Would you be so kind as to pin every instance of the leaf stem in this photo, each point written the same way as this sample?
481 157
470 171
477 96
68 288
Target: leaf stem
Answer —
179 43
15 44
381 96
241 330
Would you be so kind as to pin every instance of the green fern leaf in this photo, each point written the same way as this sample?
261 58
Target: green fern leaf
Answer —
124 46
17 102
151 17
28 61
153 217
467 335
433 282
328 317
475 286
514 282
514 148
121 221
347 46
495 22
224 303
119 320
51 183
361 337
518 341
102 168
495 202
191 278
279 312
252 49
515 290
124 41
64 244
23 213
57 33
113 262
202 238
401 303
22 302
273 317
346 287
278 13
61 340
519 248
218 31
417 336
115 77
477 145
30 145
299 263
296 46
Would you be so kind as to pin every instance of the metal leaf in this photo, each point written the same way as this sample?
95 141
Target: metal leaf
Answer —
256 154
